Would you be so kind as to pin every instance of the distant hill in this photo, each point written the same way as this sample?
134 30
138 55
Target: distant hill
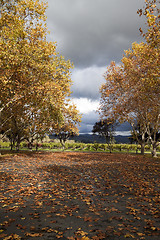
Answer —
90 138
123 129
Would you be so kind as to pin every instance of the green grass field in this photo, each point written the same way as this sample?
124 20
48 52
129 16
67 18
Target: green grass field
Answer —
78 146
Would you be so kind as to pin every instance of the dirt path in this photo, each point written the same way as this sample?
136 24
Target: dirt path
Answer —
79 196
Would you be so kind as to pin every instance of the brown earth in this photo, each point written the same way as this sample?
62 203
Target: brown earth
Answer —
69 195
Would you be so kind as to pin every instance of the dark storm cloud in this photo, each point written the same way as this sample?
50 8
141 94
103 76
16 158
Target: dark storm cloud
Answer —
94 32
88 120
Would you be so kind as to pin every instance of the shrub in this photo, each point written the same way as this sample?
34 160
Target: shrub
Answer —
158 148
96 146
4 144
118 147
55 145
88 147
147 147
102 147
69 145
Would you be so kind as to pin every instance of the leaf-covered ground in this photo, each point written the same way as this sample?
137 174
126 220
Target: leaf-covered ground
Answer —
79 196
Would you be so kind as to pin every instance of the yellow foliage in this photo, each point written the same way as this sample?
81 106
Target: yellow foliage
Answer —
33 79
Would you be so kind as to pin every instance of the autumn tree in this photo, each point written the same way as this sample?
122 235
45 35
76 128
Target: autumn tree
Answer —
131 92
139 135
34 79
130 95
152 13
67 125
106 129
64 134
30 126
150 137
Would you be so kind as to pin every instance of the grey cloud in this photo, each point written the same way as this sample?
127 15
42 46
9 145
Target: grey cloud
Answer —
94 31
88 120
85 128
87 81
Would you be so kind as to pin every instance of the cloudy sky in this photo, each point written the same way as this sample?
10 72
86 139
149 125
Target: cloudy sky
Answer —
92 33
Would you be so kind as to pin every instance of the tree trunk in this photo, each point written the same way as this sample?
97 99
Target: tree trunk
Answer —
110 148
17 146
11 146
142 148
62 143
30 145
143 144
154 150
36 146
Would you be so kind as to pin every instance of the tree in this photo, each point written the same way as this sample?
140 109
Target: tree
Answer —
152 13
150 137
139 134
105 128
131 92
34 79
142 67
64 134
67 124
154 138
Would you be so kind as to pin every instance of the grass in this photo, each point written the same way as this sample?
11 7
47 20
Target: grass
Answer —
80 147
